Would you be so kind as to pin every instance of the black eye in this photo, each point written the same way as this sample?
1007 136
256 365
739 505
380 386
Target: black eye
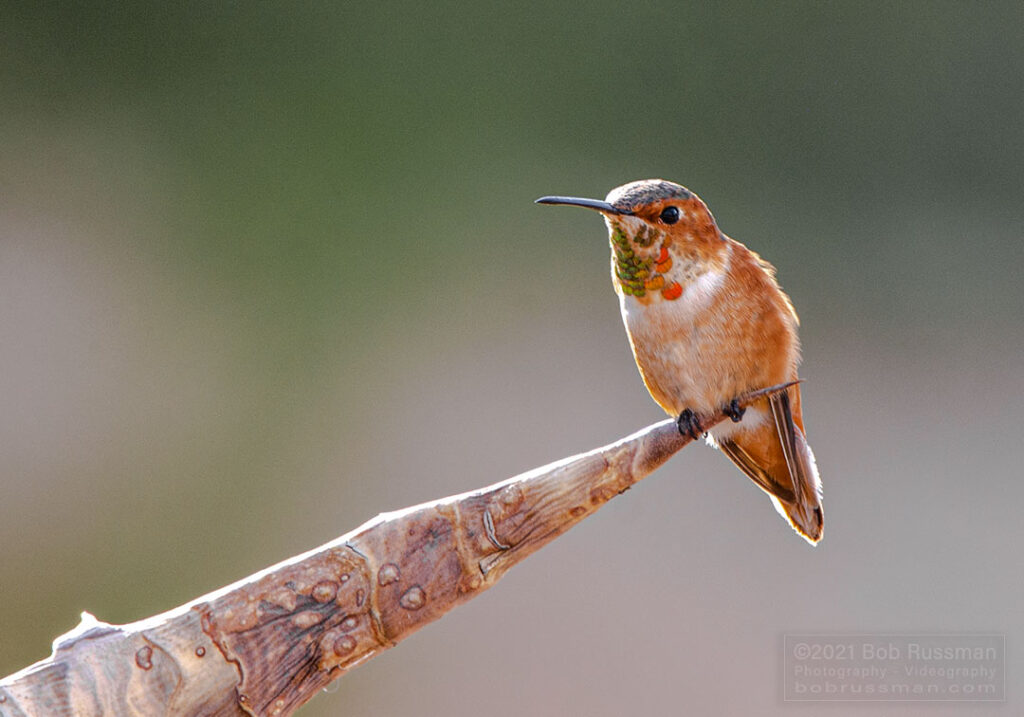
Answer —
669 215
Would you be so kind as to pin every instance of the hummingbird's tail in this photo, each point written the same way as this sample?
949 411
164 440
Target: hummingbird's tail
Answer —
776 456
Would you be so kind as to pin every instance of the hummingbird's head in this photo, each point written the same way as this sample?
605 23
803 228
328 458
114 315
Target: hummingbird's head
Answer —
653 205
662 235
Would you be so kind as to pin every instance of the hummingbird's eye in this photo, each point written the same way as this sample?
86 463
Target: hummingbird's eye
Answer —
669 215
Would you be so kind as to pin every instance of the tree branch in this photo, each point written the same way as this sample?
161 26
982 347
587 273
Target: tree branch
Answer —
266 644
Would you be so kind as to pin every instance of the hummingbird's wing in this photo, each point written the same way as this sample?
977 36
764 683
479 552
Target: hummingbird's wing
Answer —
756 473
785 428
775 455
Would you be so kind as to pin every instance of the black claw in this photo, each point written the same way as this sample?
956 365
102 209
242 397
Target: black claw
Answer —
689 424
734 411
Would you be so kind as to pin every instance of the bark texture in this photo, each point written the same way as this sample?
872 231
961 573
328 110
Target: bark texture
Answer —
269 643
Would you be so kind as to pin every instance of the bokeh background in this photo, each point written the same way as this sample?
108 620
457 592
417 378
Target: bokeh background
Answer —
268 269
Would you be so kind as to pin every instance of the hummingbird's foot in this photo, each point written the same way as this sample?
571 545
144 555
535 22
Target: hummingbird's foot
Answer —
689 424
734 410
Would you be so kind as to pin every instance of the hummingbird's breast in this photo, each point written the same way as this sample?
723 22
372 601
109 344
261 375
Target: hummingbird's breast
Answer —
673 343
715 337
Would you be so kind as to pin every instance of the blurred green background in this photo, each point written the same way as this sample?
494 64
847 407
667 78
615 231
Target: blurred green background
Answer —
268 269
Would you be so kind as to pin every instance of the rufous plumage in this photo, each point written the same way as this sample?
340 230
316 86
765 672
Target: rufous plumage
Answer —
707 323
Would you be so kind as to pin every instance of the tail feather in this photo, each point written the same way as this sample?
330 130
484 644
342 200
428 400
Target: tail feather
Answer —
776 456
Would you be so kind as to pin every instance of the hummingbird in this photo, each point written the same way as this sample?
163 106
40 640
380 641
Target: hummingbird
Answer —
707 323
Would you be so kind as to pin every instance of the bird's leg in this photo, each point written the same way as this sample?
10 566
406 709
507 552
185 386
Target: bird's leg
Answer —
689 424
734 410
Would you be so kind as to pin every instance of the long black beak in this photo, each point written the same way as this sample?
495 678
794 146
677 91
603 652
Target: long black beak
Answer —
580 202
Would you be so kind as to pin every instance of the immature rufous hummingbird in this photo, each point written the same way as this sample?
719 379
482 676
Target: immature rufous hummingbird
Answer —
707 323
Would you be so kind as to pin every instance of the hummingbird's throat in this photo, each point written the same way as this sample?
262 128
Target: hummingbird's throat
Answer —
641 262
